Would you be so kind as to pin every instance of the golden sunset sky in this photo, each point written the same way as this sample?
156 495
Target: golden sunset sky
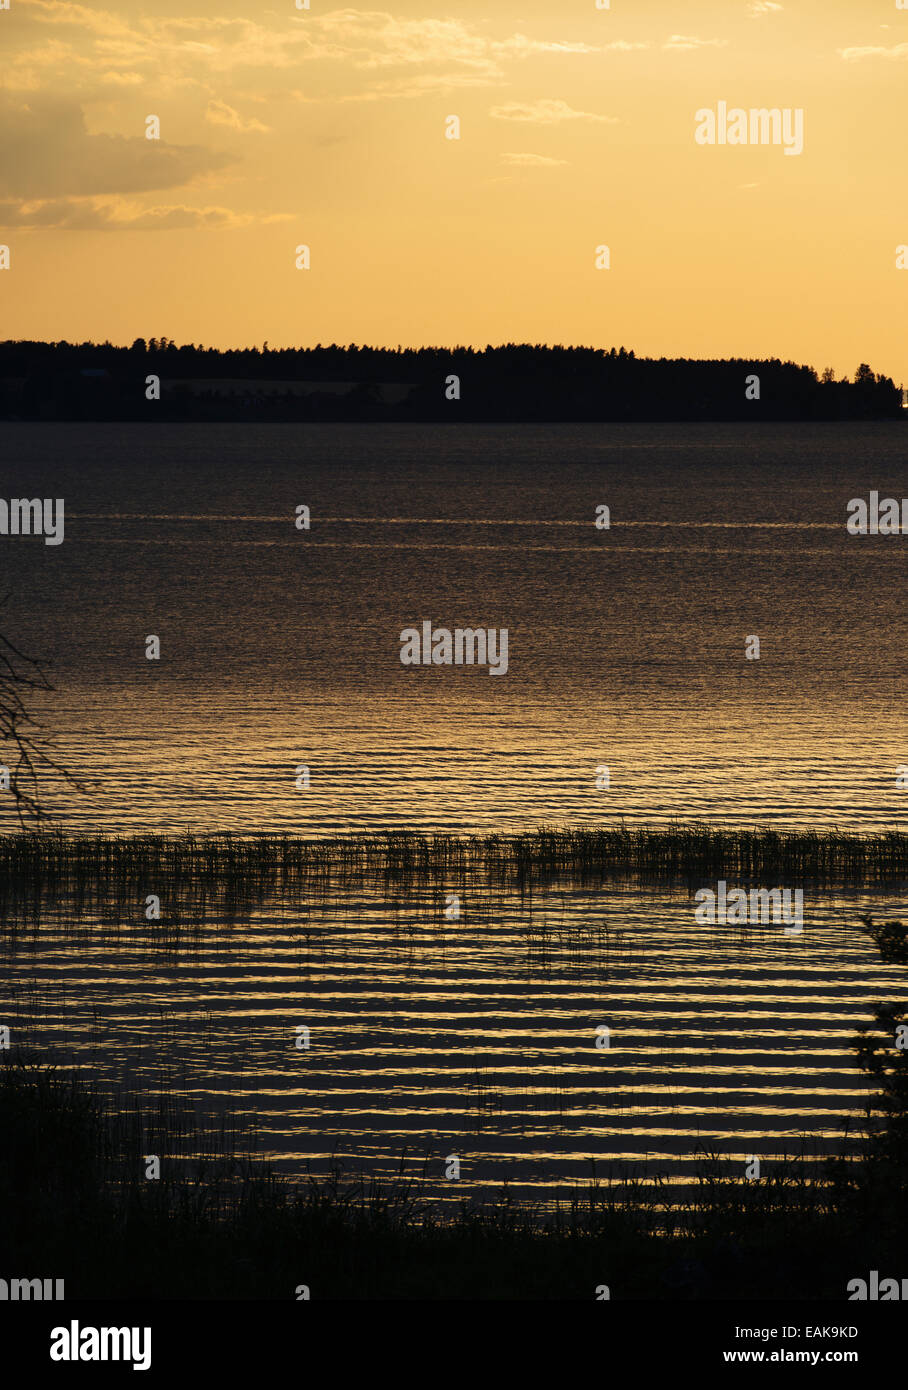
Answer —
326 126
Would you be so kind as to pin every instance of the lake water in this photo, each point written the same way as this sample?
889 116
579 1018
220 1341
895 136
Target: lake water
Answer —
280 648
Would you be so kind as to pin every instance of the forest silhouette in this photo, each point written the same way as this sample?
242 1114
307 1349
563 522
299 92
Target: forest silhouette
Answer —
512 382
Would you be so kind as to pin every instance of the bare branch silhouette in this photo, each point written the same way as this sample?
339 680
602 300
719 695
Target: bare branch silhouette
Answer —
25 750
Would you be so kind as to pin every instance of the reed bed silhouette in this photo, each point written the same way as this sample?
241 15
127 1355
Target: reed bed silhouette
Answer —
225 877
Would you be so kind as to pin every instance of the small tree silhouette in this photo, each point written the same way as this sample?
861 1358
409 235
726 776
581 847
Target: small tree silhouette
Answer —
888 1067
24 747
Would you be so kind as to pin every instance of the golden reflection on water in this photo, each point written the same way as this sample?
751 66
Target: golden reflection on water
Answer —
477 1037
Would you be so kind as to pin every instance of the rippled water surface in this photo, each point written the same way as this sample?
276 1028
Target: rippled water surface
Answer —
281 648
477 1037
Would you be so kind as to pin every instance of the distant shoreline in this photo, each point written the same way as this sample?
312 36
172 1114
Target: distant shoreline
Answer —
516 383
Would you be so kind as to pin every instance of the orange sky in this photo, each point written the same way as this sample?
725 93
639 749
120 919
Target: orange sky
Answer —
326 126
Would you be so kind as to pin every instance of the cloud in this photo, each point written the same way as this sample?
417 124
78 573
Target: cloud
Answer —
406 88
852 55
760 7
527 161
546 111
118 214
219 113
47 152
374 39
683 43
60 12
340 50
96 214
122 79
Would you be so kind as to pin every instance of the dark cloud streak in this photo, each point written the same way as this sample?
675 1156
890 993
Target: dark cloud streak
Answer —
47 153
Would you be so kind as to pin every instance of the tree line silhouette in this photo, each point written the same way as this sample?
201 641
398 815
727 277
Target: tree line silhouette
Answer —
512 382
